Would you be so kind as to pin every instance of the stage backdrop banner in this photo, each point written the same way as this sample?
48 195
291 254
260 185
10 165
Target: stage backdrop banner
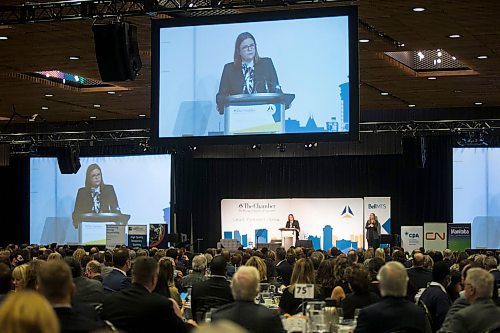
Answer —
137 235
459 236
381 207
435 236
326 222
412 237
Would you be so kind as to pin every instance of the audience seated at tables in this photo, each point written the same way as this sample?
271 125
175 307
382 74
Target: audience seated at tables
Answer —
27 311
139 310
393 313
244 311
213 292
56 284
482 315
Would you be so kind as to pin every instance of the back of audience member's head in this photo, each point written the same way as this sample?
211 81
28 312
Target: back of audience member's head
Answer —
55 281
260 265
482 281
379 253
358 278
199 263
447 254
236 260
399 256
393 279
120 257
245 283
280 253
352 256
218 266
303 272
27 312
291 257
5 279
145 268
428 262
20 276
325 275
374 266
74 265
317 257
440 271
490 263
93 267
55 256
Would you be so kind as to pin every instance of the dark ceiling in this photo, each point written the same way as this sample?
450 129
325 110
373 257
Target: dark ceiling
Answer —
48 46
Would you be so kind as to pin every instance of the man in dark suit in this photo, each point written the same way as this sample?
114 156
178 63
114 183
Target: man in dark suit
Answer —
419 276
138 309
245 287
393 312
117 279
213 292
87 290
482 315
56 284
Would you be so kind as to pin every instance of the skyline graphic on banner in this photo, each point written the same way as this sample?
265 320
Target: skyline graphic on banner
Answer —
328 237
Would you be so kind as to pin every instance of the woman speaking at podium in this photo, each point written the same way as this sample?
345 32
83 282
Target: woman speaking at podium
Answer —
95 197
248 73
293 223
372 227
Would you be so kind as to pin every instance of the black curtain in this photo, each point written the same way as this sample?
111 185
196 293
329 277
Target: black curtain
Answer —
419 193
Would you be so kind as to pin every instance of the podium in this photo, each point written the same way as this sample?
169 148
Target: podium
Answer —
256 113
288 237
116 218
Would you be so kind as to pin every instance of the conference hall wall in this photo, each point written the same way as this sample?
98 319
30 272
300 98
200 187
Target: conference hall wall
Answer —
417 194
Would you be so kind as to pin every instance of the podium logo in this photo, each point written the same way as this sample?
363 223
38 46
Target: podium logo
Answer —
271 108
377 206
347 212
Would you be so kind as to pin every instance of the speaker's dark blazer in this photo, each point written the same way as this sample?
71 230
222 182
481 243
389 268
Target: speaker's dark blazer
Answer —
136 310
255 318
391 314
232 80
84 201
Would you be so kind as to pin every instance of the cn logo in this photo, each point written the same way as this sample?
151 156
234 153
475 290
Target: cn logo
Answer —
435 235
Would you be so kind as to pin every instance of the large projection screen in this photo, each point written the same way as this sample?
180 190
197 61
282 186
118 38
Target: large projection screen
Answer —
314 55
476 194
141 184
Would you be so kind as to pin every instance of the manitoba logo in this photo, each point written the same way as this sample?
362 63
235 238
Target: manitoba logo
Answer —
347 212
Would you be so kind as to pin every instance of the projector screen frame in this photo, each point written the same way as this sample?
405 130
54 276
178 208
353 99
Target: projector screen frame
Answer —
351 12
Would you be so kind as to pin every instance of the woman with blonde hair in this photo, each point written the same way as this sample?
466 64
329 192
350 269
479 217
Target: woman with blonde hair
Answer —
20 277
303 272
27 312
260 265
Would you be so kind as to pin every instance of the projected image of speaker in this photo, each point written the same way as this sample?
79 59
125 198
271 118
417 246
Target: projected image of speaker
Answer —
68 160
117 51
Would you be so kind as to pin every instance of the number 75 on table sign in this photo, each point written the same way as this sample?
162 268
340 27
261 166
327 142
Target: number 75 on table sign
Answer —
304 291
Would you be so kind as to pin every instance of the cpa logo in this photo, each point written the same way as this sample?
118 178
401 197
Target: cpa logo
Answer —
240 206
412 235
347 212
